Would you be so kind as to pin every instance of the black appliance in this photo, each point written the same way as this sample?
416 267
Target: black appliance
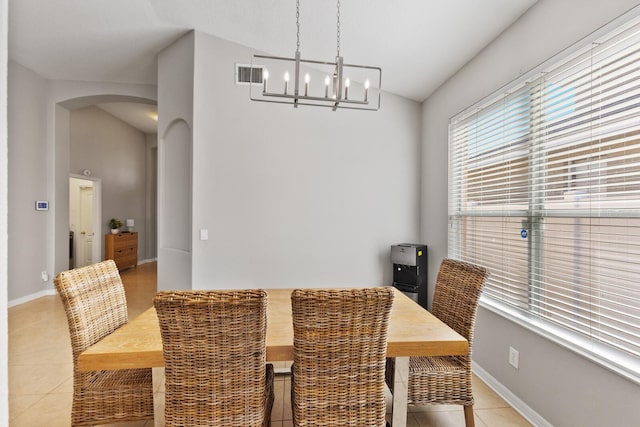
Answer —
410 270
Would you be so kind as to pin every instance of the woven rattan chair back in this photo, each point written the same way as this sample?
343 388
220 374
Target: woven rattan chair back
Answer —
94 302
447 379
215 358
340 342
455 299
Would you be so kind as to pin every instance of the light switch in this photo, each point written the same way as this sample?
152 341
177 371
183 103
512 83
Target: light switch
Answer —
204 234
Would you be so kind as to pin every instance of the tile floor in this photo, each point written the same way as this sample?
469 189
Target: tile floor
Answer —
40 369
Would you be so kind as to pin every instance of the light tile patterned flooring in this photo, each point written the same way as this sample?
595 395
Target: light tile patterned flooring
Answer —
41 384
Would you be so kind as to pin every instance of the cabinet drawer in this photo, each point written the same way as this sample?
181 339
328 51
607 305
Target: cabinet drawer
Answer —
126 261
126 252
125 240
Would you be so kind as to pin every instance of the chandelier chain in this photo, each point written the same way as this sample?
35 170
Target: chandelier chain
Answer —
298 25
338 36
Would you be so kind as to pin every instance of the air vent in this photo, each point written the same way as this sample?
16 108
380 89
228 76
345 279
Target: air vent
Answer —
247 74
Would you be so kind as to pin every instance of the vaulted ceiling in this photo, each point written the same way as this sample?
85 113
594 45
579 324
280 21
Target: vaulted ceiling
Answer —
418 43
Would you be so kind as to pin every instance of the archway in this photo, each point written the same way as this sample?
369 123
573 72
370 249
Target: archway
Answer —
62 168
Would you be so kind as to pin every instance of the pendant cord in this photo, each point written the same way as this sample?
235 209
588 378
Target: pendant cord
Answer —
298 25
338 36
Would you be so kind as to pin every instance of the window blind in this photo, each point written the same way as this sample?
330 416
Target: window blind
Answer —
544 190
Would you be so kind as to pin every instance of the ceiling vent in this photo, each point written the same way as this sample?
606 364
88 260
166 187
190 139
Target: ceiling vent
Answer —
247 74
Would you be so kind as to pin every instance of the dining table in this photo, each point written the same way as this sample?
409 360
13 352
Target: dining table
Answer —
412 331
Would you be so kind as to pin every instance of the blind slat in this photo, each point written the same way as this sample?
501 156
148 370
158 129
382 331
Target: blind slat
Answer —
544 190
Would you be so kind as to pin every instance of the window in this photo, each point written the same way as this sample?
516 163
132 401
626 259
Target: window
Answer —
544 190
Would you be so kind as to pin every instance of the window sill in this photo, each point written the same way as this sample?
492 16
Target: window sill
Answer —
618 362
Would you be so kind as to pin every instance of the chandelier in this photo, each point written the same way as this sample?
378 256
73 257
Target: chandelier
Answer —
341 85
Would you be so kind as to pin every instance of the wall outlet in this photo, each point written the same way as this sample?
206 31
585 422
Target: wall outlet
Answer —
514 357
44 276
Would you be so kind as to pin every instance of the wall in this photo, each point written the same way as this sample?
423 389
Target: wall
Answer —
116 153
151 215
304 197
38 122
175 174
290 197
560 386
28 171
4 376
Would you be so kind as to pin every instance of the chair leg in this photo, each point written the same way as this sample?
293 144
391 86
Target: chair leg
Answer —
468 416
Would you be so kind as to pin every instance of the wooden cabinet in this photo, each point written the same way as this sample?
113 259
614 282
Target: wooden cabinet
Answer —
122 248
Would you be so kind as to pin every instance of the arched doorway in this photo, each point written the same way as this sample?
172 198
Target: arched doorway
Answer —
115 190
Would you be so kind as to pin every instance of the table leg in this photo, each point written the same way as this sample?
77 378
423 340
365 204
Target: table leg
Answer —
158 397
400 387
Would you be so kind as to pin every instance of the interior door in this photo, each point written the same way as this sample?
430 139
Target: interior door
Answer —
85 255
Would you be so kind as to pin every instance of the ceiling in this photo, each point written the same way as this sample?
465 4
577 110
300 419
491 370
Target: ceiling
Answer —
418 44
141 116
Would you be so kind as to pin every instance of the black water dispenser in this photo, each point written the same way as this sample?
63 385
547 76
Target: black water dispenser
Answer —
410 270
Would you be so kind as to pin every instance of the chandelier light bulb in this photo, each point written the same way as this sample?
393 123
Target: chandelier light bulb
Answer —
327 80
307 78
366 90
347 82
286 81
265 77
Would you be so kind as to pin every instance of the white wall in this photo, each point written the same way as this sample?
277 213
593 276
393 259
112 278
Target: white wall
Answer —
28 171
39 123
151 214
4 377
292 197
115 152
562 387
302 197
175 174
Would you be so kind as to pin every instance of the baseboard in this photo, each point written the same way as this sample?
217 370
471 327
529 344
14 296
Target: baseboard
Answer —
516 403
48 292
27 298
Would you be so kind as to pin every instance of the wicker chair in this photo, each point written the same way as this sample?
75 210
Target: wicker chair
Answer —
95 304
215 358
340 342
447 379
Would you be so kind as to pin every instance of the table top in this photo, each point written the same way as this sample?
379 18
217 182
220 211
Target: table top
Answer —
413 331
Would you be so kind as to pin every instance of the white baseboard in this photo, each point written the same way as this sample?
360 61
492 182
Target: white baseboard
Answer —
516 403
31 297
48 292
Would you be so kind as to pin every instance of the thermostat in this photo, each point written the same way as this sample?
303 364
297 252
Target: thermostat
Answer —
42 205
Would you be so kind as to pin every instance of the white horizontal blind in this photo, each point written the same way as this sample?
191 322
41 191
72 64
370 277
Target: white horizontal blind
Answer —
544 190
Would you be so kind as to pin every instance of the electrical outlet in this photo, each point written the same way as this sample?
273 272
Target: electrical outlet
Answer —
44 276
514 357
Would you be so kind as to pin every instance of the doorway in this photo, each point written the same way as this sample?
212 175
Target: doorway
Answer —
85 217
62 162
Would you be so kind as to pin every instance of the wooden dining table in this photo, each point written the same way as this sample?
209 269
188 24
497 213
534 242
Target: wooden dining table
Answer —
413 331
